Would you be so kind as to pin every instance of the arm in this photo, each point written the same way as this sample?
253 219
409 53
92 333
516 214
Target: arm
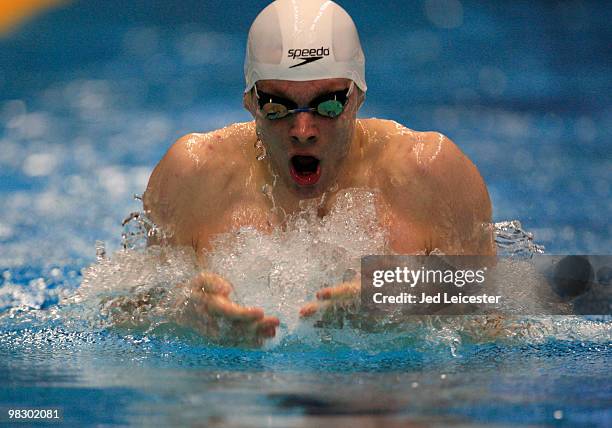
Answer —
434 189
171 194
197 189
464 221
201 304
186 190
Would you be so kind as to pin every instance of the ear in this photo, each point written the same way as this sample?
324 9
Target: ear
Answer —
248 101
361 96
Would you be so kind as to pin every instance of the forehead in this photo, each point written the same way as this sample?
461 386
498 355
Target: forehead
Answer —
302 91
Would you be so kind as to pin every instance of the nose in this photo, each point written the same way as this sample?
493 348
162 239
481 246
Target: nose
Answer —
303 129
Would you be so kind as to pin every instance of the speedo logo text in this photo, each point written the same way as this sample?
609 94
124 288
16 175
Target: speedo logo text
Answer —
307 55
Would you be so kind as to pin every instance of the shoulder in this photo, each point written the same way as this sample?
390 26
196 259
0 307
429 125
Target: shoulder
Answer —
192 152
399 147
429 161
383 129
184 160
195 165
442 165
426 175
195 153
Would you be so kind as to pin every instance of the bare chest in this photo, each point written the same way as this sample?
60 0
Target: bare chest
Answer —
247 207
404 235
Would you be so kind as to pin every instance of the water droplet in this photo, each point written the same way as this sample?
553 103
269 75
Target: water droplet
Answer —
261 155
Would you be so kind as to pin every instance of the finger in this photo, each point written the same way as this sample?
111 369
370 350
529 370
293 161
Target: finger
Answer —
266 332
343 290
325 293
267 327
267 322
222 306
309 309
270 321
312 308
212 283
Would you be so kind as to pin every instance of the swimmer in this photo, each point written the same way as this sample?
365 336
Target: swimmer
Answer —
305 82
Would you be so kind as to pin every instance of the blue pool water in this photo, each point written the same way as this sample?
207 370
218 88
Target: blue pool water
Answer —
90 99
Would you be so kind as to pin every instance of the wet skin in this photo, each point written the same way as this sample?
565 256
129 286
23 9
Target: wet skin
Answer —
430 195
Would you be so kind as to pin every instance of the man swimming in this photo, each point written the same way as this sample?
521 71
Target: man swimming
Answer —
305 82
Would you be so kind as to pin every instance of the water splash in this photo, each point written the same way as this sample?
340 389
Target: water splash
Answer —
133 288
283 270
512 240
138 229
261 150
137 287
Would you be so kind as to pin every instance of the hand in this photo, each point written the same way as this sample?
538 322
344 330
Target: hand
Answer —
206 307
334 302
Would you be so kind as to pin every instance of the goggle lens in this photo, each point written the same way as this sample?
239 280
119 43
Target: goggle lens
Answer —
276 109
330 108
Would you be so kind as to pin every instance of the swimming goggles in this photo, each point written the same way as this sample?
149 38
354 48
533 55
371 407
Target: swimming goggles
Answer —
329 105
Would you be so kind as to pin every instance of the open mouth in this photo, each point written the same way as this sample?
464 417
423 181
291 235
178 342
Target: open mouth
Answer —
305 170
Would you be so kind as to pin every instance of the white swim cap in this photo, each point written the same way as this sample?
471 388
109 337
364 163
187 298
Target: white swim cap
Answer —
304 40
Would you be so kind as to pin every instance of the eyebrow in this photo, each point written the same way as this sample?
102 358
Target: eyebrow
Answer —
263 95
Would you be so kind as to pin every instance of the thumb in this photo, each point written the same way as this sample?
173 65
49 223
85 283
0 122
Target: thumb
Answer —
212 283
